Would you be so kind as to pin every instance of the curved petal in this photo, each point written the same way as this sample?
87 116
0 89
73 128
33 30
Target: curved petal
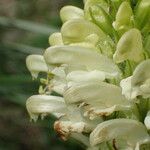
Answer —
99 91
36 64
75 55
129 47
44 104
103 98
71 12
129 130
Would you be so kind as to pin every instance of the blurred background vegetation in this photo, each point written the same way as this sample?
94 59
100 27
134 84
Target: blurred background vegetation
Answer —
25 26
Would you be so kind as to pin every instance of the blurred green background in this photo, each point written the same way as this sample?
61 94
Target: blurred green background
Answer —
25 26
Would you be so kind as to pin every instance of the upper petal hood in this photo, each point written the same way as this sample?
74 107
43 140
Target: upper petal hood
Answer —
102 97
44 104
129 130
36 64
75 55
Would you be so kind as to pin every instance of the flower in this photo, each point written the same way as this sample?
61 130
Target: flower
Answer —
99 66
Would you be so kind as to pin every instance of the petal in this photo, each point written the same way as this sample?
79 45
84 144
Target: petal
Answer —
129 47
75 114
145 89
99 91
102 98
94 112
124 17
59 72
71 12
75 55
138 83
55 39
36 64
141 73
147 120
85 76
44 104
127 89
59 81
90 41
85 44
68 128
58 85
74 67
77 30
74 123
129 130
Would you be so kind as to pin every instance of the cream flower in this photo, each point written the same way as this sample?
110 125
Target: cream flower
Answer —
99 67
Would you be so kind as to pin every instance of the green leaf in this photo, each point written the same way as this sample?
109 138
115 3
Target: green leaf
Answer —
27 25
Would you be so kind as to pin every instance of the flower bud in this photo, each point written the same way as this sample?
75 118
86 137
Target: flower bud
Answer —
124 18
129 47
71 12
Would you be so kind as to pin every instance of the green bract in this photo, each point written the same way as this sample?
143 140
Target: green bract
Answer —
99 66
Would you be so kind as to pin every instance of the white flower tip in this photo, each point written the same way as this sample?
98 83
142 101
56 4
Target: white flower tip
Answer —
36 64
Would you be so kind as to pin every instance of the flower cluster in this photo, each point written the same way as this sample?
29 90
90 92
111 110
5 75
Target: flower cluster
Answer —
98 65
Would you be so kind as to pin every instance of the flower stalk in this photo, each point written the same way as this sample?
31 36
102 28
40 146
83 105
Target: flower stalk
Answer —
99 67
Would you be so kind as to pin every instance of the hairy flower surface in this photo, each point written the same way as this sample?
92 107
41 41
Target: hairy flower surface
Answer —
98 65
